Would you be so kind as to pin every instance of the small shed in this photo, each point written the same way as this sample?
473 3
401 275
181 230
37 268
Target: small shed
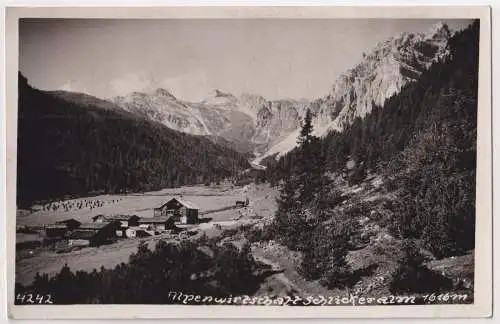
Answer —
183 211
242 203
97 233
131 232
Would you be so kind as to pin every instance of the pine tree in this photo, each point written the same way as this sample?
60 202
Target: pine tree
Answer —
306 136
310 167
302 189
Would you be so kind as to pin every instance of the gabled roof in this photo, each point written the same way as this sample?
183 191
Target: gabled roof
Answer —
183 202
67 221
118 217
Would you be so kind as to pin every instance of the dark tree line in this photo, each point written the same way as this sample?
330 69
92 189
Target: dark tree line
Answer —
77 147
151 276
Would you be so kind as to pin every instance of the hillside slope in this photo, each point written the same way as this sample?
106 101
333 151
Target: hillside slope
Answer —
251 122
72 144
394 191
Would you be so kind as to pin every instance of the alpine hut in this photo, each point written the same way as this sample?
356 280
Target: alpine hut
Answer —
183 211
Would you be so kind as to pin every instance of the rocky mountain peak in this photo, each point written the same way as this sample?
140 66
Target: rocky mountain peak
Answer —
381 73
160 92
439 30
220 98
384 71
219 93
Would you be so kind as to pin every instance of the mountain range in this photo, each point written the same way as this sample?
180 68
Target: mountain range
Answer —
266 128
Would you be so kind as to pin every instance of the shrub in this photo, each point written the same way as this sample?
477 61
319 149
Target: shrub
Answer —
414 277
357 175
257 234
324 257
234 269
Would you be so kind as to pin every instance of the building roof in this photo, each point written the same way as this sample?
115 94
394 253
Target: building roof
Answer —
70 220
121 217
118 217
183 202
152 220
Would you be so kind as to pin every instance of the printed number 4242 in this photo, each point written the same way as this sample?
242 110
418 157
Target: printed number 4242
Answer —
34 298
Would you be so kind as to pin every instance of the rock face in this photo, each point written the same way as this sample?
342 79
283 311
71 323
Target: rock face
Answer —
380 74
163 107
267 127
251 122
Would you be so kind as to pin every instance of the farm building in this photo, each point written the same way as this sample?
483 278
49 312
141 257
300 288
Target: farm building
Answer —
125 220
158 223
94 233
182 211
56 231
242 203
70 224
99 218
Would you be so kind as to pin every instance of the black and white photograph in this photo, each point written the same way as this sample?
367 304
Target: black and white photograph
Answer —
253 161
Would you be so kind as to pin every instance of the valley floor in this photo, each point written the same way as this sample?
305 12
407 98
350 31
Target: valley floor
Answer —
210 200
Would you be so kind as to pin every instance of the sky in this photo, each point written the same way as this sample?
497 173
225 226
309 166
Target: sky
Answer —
275 58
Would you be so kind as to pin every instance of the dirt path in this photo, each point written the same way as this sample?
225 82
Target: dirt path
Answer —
211 211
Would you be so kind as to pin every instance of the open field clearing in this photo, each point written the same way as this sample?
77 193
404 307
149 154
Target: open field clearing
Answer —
205 198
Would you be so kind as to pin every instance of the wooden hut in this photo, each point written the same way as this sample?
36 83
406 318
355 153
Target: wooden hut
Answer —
124 220
70 224
95 233
183 211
